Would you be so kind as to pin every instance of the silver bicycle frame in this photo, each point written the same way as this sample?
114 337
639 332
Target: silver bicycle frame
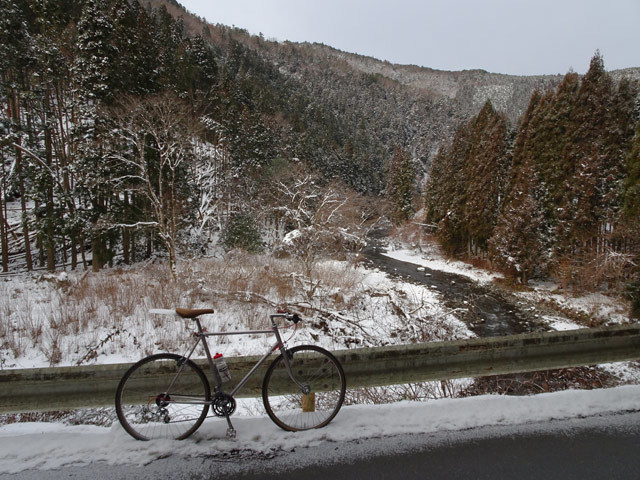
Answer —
279 345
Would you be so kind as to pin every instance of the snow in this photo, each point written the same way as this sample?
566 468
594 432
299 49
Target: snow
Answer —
434 260
54 445
290 237
35 300
598 306
118 327
560 324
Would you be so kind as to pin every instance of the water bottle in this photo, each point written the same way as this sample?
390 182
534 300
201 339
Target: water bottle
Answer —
222 367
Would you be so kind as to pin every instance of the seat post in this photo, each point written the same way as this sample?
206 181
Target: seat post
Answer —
212 366
199 325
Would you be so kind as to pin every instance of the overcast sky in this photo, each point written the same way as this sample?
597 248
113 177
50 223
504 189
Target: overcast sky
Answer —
523 37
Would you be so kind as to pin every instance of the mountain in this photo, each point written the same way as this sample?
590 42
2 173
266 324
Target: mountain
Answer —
251 113
382 106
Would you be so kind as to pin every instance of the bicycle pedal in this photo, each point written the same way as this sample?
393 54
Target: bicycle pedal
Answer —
231 433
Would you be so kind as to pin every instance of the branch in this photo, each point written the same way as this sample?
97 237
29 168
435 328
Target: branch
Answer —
135 225
36 158
334 315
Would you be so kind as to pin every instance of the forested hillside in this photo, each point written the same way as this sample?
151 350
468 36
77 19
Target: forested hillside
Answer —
122 133
133 128
558 196
129 128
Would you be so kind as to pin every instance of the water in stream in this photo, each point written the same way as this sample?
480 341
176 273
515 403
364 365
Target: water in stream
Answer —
486 310
489 310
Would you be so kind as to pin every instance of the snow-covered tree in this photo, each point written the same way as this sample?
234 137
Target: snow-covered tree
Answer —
153 153
94 66
631 216
401 186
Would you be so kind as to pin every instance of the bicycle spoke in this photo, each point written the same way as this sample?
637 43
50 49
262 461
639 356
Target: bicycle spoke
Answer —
312 367
147 410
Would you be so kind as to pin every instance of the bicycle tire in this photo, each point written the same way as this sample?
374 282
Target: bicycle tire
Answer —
285 402
147 411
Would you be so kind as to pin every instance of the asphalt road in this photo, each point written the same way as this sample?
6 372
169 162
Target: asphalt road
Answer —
602 447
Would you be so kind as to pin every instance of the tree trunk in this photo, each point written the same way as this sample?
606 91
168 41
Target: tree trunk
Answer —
25 213
125 234
14 111
126 257
50 212
98 250
74 252
110 251
39 242
83 251
4 230
149 244
132 236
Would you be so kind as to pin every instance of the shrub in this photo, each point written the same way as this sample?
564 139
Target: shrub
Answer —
633 294
242 232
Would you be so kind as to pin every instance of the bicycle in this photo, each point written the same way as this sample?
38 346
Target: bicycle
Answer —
168 395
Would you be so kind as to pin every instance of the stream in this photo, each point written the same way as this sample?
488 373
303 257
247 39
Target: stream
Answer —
490 310
486 309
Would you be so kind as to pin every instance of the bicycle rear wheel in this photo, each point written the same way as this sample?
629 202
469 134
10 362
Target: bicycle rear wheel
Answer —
163 396
316 395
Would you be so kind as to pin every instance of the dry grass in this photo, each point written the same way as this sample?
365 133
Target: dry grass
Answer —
74 317
80 317
420 392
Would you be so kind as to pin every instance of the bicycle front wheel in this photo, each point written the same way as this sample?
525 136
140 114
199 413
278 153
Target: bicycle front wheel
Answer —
163 396
307 395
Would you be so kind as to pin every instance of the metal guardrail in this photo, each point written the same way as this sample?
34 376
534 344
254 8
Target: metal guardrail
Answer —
95 385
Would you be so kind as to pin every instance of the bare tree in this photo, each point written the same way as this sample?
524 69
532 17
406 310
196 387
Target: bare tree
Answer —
322 219
155 149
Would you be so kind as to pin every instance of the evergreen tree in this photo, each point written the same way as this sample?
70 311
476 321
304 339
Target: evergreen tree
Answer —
401 188
488 166
96 60
631 187
435 192
468 182
518 244
93 69
594 157
242 232
16 59
203 63
135 67
536 184
631 218
453 182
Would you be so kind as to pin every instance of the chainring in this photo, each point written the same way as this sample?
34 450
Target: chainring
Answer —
223 404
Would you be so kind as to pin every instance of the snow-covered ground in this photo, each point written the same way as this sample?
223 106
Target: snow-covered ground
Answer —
337 317
430 257
600 307
47 446
75 318
81 318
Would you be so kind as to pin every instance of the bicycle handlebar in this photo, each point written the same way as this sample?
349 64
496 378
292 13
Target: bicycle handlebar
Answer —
292 317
